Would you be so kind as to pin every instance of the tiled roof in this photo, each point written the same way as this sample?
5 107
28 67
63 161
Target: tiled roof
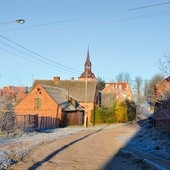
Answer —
60 96
75 88
120 89
89 75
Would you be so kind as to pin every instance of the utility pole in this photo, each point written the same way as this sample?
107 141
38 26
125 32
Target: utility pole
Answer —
85 113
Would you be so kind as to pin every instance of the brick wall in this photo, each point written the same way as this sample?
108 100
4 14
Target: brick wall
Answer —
48 106
162 113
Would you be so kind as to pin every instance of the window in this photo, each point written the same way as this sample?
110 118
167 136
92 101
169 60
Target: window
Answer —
37 103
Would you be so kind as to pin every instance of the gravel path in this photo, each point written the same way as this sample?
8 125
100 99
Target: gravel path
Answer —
100 147
93 149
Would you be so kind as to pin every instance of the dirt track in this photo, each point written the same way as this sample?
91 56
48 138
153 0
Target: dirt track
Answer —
95 149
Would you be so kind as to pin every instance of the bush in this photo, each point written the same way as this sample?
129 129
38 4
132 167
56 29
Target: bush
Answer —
102 115
7 122
131 110
121 112
118 112
7 116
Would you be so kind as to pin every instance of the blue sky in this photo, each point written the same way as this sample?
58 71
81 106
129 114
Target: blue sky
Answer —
123 35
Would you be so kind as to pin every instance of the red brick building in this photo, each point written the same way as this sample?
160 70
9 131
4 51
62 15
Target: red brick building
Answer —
49 101
162 89
15 92
162 103
83 90
85 93
120 90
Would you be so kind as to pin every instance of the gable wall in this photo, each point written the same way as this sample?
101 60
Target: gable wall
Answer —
48 106
119 94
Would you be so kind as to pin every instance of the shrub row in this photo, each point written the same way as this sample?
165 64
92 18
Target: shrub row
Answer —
120 111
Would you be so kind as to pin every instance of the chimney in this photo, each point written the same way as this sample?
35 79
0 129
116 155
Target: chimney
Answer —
72 78
56 79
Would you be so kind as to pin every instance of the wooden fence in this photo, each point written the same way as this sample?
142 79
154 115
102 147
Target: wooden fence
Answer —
34 122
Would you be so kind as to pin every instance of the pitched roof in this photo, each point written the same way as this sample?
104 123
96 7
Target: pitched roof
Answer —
75 88
89 75
60 96
122 85
163 81
121 90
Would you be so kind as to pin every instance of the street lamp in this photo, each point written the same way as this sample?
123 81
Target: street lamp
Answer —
20 21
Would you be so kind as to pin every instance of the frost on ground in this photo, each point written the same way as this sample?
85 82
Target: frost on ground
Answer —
152 140
148 139
13 149
145 163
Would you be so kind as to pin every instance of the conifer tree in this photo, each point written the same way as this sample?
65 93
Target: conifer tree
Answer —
121 112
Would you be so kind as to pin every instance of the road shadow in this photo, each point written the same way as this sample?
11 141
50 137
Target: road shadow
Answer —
46 159
152 144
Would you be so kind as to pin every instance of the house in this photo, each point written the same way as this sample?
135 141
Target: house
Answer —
118 90
162 89
162 103
16 93
83 90
52 102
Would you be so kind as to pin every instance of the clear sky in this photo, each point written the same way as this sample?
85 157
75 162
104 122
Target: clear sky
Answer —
123 36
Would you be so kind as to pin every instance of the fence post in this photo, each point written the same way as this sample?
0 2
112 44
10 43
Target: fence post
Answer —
36 121
40 122
46 122
43 122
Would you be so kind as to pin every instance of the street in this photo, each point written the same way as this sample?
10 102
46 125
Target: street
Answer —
93 149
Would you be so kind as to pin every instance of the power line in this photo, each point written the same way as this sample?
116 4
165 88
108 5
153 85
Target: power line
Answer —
39 56
149 6
42 64
156 14
21 56
97 15
45 63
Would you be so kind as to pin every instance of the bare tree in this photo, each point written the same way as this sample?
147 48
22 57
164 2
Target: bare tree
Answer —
138 89
127 77
7 116
164 64
149 88
120 77
123 77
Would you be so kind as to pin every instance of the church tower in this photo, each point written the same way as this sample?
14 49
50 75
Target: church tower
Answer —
87 69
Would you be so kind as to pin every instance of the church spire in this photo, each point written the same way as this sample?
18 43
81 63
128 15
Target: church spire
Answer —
88 56
87 68
87 65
